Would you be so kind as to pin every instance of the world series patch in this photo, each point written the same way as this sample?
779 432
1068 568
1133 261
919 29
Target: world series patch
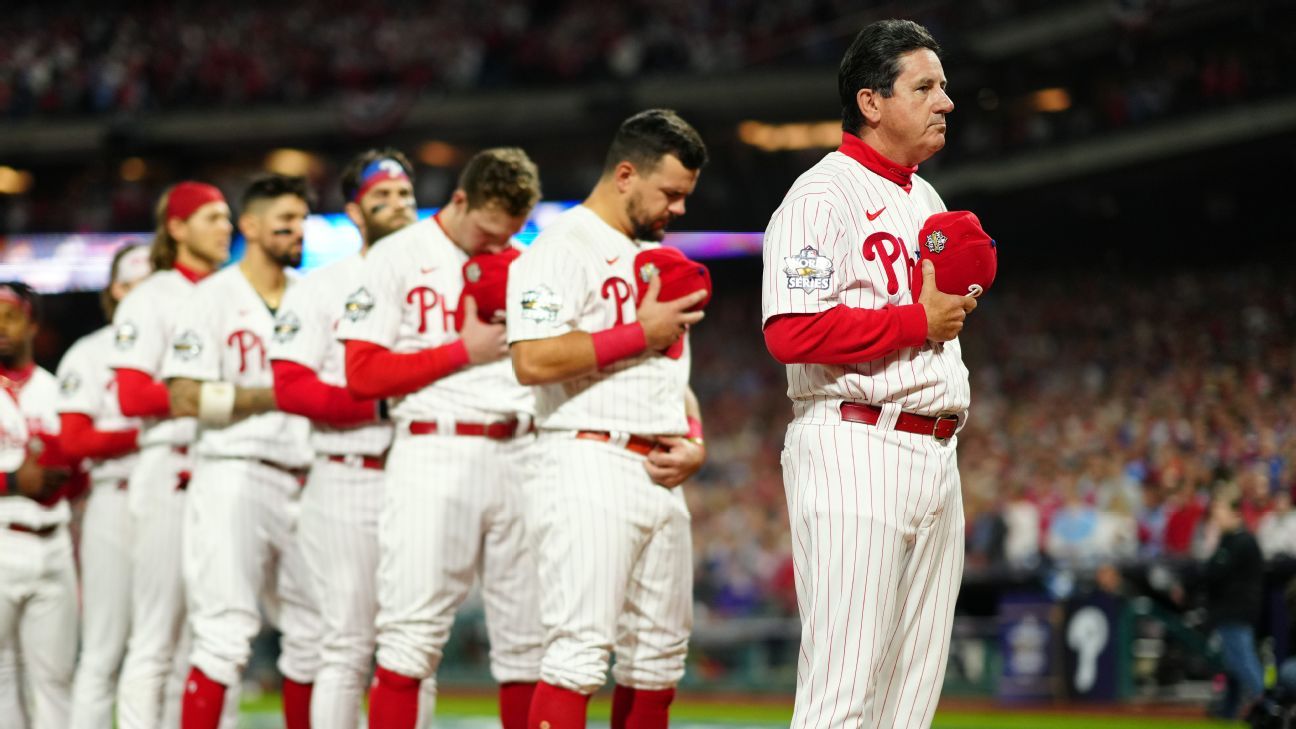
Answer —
808 270
358 305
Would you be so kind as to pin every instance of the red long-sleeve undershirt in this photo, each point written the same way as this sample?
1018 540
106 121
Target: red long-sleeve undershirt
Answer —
373 371
79 439
845 335
141 396
299 390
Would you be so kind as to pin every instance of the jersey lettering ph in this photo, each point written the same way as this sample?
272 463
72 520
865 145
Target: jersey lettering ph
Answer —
579 275
410 283
86 385
304 333
845 235
142 330
220 336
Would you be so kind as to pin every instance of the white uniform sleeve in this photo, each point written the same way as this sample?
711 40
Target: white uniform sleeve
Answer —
140 334
805 249
302 328
194 352
79 390
546 291
372 312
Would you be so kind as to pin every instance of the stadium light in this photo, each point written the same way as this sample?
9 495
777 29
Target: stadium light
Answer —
798 136
14 182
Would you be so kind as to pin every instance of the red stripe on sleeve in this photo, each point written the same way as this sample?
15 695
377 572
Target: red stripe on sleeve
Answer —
373 371
79 439
298 390
845 335
141 396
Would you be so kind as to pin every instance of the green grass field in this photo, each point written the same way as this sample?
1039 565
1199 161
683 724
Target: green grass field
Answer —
478 712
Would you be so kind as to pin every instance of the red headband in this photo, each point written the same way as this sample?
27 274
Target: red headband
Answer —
10 296
187 197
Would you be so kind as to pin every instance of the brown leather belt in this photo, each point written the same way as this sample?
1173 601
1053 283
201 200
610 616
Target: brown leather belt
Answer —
940 427
373 463
636 443
297 473
41 532
503 430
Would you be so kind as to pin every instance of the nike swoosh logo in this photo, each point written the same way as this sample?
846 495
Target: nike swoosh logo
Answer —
430 269
612 261
873 216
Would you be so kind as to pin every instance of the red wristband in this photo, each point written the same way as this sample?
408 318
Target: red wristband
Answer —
618 343
695 428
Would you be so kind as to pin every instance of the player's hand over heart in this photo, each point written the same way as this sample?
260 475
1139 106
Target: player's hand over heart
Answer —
674 460
945 312
484 342
664 322
39 482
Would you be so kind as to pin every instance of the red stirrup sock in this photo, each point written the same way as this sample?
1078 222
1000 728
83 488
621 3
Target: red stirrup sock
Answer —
557 708
296 706
641 709
515 703
393 700
202 703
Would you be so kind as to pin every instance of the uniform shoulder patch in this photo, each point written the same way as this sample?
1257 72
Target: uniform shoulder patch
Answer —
124 335
70 383
287 324
808 270
358 305
188 345
541 304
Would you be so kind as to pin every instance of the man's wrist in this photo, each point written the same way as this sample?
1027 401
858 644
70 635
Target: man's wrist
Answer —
695 430
618 343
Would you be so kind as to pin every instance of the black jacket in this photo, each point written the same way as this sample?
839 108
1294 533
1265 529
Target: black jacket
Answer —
1234 579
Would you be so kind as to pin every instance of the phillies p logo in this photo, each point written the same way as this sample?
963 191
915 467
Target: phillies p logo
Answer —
247 343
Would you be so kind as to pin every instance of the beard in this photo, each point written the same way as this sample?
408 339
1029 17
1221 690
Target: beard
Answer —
289 258
644 226
376 229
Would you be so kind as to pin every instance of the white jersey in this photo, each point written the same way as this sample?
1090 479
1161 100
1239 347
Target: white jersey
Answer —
579 275
143 325
220 336
87 386
845 235
304 333
411 282
36 403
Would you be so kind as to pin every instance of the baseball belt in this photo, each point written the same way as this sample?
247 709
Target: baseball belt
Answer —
940 427
372 463
502 430
295 472
635 443
42 532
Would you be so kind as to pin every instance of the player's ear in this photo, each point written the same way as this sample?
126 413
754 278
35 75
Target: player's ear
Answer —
175 228
624 173
355 215
250 226
868 102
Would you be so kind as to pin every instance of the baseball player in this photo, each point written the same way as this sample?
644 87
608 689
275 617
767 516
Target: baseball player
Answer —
192 240
619 431
878 389
452 507
340 506
251 459
93 428
38 603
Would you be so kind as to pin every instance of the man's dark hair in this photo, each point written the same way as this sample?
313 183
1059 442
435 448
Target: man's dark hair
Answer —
273 185
646 137
873 62
357 165
27 294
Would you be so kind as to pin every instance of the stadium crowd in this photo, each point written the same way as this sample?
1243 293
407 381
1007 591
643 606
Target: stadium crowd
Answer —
1106 411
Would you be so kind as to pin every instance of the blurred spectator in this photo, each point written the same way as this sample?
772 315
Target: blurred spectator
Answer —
1276 531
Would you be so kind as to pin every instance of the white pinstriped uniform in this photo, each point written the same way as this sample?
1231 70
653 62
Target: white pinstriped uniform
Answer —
453 503
88 387
876 514
38 597
341 504
614 549
241 517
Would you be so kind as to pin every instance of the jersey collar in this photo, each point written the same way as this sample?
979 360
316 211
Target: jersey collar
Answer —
859 150
14 380
189 273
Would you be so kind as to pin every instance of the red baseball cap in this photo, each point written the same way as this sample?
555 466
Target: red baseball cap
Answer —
486 280
965 257
679 275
